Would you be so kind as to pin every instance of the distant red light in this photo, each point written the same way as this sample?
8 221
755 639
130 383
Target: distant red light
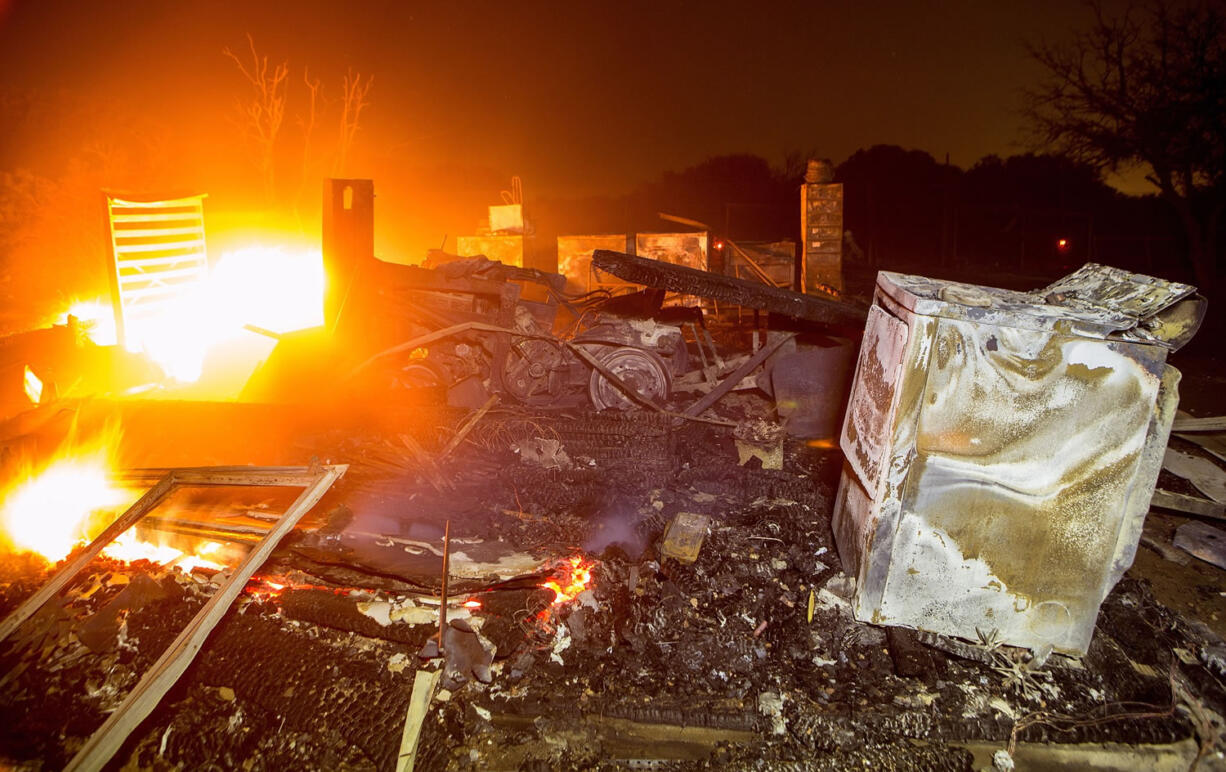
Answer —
1062 245
719 245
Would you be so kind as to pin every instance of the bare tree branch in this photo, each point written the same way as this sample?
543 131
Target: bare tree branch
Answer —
353 99
261 115
1145 87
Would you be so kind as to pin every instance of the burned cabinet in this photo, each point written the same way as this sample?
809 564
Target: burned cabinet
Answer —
1002 449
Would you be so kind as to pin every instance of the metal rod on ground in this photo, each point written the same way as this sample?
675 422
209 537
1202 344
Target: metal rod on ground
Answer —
442 606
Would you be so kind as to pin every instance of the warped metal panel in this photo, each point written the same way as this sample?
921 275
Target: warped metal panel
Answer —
1000 462
868 425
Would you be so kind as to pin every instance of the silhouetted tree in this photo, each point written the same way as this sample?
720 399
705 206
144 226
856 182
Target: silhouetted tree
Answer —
262 112
1045 181
1146 87
704 191
353 100
896 201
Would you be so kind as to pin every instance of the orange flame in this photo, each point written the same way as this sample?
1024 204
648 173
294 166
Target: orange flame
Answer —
575 577
269 287
51 510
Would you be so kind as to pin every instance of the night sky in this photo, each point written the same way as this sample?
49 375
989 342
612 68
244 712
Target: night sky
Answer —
580 96
576 98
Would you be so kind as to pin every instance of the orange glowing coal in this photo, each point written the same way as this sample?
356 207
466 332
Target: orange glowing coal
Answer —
823 444
574 578
51 509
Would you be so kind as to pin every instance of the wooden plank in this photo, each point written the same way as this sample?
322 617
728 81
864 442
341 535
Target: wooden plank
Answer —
68 572
197 526
468 427
729 383
424 684
1214 443
1191 505
274 476
442 606
1190 424
1202 541
154 685
762 275
843 313
1202 472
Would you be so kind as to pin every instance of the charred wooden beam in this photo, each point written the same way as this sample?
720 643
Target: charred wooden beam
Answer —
726 289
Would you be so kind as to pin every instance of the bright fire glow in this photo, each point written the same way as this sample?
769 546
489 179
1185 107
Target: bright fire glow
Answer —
129 548
273 288
33 386
53 509
97 320
574 577
50 512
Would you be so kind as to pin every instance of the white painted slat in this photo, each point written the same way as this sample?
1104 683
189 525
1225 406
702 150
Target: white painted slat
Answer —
140 233
166 290
191 257
120 217
196 201
123 249
192 272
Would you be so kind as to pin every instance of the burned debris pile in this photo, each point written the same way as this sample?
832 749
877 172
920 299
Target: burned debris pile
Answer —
540 529
749 654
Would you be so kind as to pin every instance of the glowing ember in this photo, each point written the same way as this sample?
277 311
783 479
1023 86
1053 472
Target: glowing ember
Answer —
264 587
575 576
472 604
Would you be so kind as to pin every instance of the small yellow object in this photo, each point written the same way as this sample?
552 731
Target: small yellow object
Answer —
812 602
